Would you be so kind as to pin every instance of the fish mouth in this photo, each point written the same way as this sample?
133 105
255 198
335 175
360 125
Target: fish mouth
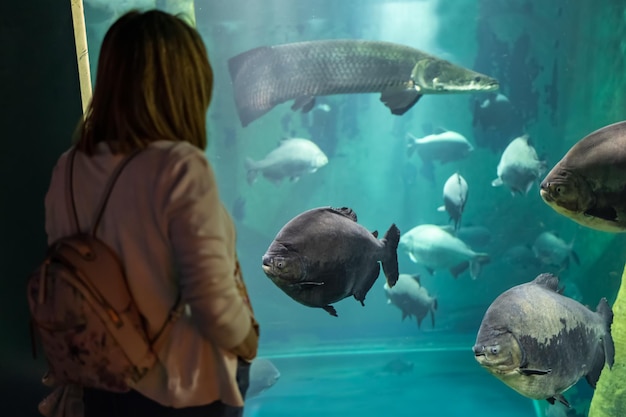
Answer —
491 85
267 265
479 350
546 195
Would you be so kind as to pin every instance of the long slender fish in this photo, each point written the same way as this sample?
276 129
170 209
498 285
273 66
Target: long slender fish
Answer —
269 75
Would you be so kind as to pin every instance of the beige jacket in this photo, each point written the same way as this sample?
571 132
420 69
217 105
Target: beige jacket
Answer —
165 215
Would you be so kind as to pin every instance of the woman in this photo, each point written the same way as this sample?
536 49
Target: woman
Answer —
164 218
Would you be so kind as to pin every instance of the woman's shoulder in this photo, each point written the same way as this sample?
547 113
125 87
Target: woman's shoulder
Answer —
175 150
175 158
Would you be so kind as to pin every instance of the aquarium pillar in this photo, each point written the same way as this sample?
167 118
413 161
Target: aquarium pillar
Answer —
609 399
82 53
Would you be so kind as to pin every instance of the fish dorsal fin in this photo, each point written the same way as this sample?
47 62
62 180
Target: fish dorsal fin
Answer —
375 234
547 280
345 211
439 130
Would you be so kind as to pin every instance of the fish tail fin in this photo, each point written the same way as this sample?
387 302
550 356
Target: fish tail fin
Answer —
411 144
255 64
604 310
476 264
251 170
433 308
390 259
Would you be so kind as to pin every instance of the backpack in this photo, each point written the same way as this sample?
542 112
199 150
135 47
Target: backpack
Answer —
81 307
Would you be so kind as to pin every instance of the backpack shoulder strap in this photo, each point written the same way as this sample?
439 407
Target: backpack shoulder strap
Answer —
69 190
109 187
105 196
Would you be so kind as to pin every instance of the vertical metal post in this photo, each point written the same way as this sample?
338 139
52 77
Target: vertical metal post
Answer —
82 53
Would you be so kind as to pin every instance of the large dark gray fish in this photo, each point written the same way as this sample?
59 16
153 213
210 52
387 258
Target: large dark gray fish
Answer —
323 255
540 343
589 184
269 75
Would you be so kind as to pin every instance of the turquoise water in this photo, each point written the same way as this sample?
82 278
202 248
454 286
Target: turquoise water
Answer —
442 383
532 47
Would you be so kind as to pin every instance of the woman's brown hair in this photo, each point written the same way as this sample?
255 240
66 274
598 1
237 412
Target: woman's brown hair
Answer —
154 82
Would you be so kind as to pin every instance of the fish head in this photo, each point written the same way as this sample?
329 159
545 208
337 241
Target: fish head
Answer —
283 265
263 375
567 193
437 76
320 160
498 351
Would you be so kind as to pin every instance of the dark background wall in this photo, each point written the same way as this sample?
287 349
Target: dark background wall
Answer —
39 107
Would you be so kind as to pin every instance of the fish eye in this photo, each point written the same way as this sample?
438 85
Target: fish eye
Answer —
478 79
279 262
492 351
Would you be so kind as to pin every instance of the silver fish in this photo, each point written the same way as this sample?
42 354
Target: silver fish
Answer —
292 159
445 146
323 255
455 192
540 343
434 248
266 76
519 166
412 298
589 184
551 250
473 236
263 376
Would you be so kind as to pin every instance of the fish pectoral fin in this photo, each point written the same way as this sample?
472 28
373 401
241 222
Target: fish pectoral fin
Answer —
367 283
310 283
528 372
331 310
497 182
304 103
606 213
399 101
560 399
459 269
